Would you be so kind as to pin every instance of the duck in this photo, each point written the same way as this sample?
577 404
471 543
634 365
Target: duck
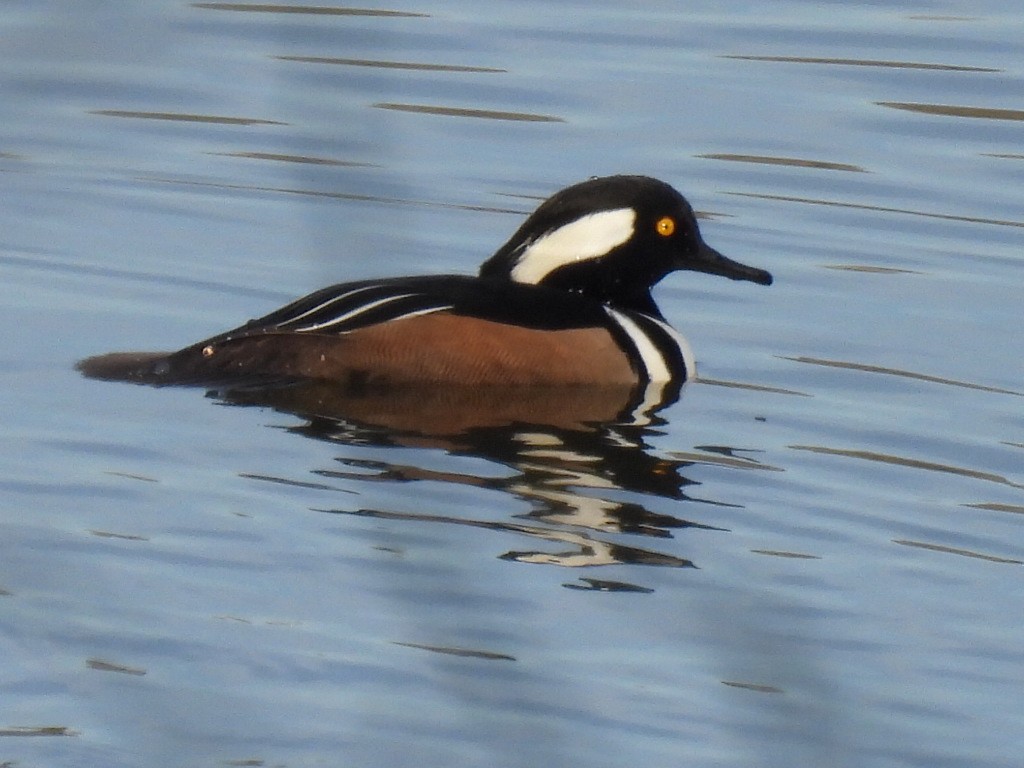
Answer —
566 301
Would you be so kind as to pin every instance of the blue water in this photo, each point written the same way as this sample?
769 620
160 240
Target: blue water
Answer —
813 558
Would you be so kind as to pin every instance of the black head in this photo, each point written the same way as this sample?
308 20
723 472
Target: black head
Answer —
612 238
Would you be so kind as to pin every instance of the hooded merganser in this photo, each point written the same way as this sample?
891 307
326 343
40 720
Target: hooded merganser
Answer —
566 301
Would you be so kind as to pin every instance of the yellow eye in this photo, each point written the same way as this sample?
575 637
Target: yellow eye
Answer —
665 226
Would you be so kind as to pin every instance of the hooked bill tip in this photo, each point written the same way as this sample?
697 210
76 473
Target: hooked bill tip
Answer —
716 263
761 277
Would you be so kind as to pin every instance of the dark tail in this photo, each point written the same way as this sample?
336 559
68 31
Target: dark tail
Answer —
136 367
241 363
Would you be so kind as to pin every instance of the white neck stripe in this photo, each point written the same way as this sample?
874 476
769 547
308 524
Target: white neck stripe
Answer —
589 237
684 346
653 361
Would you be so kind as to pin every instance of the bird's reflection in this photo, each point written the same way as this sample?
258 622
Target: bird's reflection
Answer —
580 458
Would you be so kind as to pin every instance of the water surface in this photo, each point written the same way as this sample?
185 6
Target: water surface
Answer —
814 557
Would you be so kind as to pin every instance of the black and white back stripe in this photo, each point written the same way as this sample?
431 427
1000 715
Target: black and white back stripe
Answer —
345 308
357 307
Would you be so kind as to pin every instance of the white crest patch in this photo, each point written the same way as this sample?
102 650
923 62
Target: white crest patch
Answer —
589 237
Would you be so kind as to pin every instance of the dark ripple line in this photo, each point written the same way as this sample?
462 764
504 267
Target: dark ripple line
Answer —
904 374
994 506
284 158
863 63
756 687
184 117
334 195
453 651
903 461
752 387
957 551
788 161
64 267
317 10
37 730
110 666
954 110
880 208
391 64
872 269
487 114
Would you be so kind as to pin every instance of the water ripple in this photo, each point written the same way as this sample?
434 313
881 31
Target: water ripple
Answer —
793 161
904 461
989 506
957 551
110 666
880 208
353 196
418 66
37 730
303 159
185 117
488 114
953 110
863 63
465 652
306 9
905 374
